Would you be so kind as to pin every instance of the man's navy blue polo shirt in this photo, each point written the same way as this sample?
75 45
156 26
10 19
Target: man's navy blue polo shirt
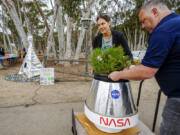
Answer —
163 52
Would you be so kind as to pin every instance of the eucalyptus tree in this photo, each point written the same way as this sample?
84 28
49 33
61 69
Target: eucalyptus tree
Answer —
50 39
10 33
60 30
10 5
4 29
131 26
137 38
72 9
85 14
32 19
174 5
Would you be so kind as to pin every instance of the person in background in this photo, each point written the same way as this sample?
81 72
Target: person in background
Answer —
107 37
23 55
162 60
2 53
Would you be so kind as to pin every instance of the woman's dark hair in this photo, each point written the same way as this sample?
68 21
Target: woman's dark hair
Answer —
104 16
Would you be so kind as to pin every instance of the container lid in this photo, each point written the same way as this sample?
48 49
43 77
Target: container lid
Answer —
104 77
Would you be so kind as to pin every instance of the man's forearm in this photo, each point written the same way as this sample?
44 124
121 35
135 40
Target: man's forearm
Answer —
136 73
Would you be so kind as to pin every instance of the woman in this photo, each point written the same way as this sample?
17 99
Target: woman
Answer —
109 37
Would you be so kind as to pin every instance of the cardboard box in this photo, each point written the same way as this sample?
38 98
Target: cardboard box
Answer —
92 130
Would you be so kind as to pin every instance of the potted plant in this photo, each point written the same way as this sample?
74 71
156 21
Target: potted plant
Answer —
105 62
110 101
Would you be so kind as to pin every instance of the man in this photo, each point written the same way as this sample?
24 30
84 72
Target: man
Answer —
162 60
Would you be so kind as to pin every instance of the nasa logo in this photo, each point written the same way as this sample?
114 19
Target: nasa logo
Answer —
109 122
115 94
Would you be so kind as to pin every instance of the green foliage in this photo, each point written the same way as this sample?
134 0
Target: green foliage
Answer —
71 7
178 11
173 4
112 59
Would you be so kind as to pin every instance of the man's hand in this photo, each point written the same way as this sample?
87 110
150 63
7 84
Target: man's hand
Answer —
114 76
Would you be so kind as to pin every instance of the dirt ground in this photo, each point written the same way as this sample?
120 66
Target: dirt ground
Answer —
69 88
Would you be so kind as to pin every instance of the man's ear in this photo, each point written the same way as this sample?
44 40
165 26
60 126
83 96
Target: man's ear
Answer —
155 12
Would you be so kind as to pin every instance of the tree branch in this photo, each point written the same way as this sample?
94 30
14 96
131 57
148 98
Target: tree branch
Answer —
41 12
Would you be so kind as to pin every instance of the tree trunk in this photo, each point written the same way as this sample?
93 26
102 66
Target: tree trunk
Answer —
4 42
19 11
4 31
135 39
140 40
41 12
90 40
60 30
9 42
12 11
7 35
129 38
79 45
82 32
143 41
51 4
68 45
50 40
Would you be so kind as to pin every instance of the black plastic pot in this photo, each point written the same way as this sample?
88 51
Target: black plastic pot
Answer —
104 77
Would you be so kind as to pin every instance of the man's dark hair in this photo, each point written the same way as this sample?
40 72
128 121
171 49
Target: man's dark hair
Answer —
104 16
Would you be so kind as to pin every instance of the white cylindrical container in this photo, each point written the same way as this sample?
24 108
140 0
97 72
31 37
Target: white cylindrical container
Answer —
110 106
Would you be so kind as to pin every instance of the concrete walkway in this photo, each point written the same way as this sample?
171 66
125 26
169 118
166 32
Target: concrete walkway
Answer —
54 119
